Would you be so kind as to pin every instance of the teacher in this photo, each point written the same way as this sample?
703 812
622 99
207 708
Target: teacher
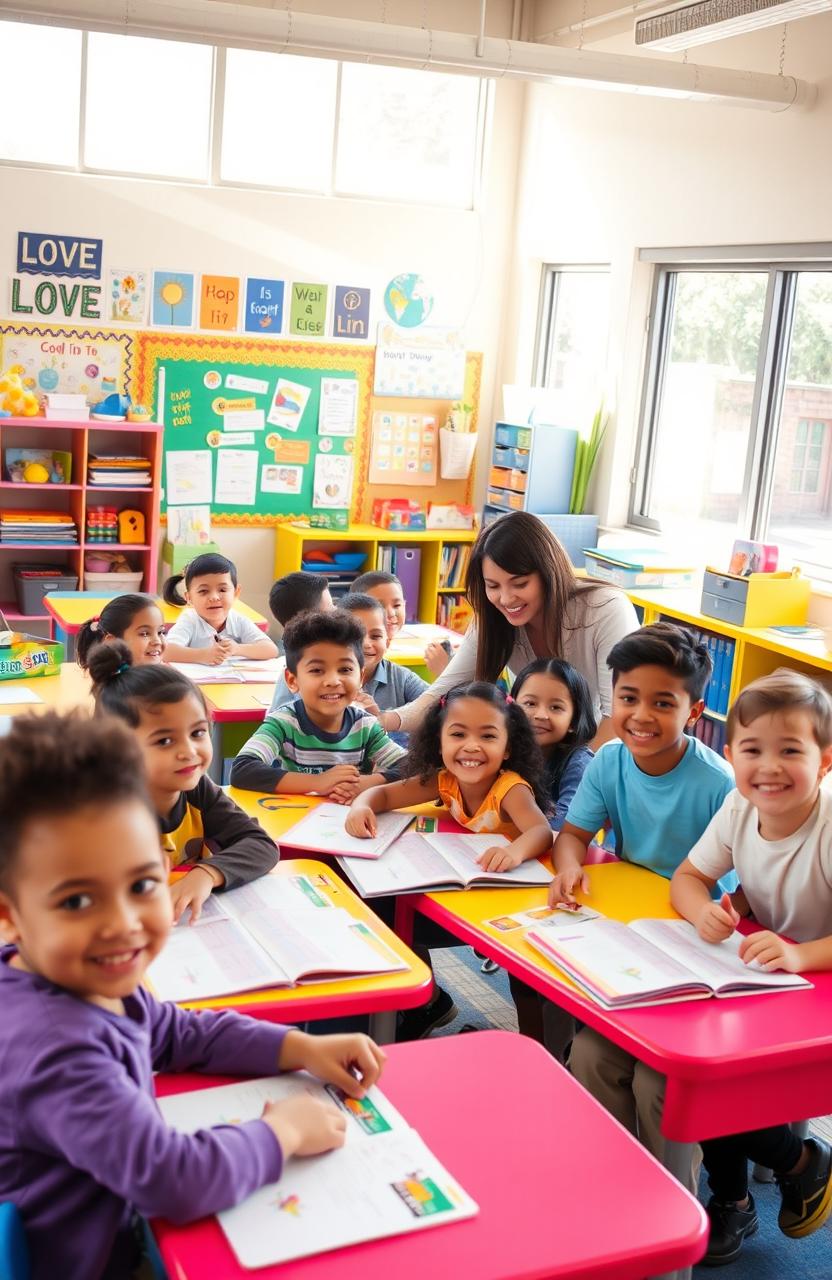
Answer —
528 604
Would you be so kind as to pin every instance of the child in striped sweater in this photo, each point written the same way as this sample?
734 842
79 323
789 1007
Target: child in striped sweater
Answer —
321 732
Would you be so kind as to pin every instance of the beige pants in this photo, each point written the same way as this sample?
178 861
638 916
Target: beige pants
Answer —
631 1091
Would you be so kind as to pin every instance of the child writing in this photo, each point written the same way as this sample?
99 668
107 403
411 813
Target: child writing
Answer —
290 595
557 701
385 684
659 788
476 752
135 619
320 743
84 907
775 830
387 589
211 629
198 822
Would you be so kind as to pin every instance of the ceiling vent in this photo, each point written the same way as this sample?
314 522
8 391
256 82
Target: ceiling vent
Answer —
717 19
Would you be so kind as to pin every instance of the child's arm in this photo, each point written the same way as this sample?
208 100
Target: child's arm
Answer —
770 951
570 780
240 849
381 753
211 657
690 894
519 806
361 819
568 857
261 648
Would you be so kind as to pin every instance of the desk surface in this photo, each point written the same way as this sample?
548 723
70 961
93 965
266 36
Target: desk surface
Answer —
372 994
71 609
57 693
552 1146
731 1064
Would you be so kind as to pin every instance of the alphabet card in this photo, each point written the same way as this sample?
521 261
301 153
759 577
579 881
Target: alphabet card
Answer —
219 302
403 448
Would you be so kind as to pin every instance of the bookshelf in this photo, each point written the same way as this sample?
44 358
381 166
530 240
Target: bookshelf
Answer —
294 541
79 440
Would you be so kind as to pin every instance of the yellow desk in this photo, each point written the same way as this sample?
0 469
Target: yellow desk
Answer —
276 814
379 995
63 692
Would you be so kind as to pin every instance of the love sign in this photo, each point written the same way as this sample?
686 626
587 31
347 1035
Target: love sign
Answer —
56 255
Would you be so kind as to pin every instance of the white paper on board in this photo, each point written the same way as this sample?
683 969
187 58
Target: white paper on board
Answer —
236 382
276 477
189 477
244 420
236 483
333 480
339 404
235 438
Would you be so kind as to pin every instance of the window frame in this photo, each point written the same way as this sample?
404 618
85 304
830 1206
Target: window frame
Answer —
770 378
550 284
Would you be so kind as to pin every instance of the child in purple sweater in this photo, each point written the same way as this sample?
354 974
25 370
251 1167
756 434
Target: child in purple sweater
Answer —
85 905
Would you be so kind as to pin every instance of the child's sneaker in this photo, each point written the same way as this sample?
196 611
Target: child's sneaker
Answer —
729 1227
807 1196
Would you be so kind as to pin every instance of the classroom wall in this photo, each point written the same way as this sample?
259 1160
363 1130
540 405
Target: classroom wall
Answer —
604 174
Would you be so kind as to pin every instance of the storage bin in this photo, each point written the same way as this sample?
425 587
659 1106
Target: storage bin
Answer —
32 582
505 498
508 478
506 457
519 437
112 584
760 600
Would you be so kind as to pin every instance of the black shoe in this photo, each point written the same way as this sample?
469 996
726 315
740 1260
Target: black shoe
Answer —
807 1197
489 966
415 1024
729 1227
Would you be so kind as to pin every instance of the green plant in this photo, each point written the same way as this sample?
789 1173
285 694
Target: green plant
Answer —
460 407
586 455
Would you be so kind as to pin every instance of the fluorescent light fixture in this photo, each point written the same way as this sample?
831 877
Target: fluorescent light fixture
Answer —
717 19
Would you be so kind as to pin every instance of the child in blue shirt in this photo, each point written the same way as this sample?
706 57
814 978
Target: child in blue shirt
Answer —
659 787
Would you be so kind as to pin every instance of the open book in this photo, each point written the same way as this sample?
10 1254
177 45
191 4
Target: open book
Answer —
277 931
383 1181
446 861
322 831
234 671
653 962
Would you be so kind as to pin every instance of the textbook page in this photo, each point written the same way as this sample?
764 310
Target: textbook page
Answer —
462 851
314 944
409 864
233 671
218 959
322 831
287 893
384 1181
719 964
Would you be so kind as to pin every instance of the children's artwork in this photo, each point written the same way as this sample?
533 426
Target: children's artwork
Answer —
332 485
188 477
351 313
85 362
428 364
288 404
263 311
403 449
236 482
219 302
308 310
339 402
173 299
281 479
127 296
189 526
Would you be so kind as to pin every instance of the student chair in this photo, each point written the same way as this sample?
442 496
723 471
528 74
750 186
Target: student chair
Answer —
14 1256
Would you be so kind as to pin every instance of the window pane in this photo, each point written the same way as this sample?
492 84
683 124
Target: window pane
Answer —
162 124
41 68
703 424
576 362
407 135
800 513
278 120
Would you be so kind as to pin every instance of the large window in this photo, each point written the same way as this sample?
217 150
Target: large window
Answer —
737 418
40 90
572 342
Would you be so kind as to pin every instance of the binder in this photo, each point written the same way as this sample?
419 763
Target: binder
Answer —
408 568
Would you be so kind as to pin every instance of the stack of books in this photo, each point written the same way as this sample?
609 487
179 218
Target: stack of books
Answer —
18 527
66 408
118 471
453 564
637 567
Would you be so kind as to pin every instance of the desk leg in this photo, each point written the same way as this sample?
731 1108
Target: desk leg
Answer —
383 1026
215 769
677 1158
404 918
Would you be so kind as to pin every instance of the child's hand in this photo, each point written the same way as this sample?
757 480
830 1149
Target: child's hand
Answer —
717 920
192 891
211 657
562 888
500 857
436 657
352 1062
769 951
361 822
229 646
326 782
364 700
344 793
305 1126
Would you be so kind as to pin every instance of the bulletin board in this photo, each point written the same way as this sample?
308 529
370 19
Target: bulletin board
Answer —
75 360
217 397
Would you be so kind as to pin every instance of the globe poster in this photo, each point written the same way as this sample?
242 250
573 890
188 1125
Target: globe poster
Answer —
429 364
407 300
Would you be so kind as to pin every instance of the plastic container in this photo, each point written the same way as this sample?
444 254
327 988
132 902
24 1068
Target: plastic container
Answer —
107 584
31 584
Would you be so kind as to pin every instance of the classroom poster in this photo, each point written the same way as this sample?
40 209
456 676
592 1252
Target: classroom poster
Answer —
351 313
429 364
332 486
173 299
219 300
236 482
281 479
127 296
263 308
308 319
288 403
188 474
403 449
74 361
338 408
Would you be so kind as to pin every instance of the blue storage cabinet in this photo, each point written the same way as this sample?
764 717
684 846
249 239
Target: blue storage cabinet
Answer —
531 469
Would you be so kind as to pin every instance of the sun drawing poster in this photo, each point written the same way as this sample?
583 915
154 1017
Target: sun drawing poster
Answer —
173 299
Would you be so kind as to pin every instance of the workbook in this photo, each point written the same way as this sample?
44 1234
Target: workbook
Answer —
277 931
383 1182
445 861
322 831
233 671
653 962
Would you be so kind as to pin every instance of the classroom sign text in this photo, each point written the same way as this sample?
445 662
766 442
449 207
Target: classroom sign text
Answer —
351 314
308 310
264 306
218 302
31 297
44 254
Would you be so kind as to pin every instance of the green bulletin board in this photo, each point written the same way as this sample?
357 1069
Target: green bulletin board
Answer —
215 397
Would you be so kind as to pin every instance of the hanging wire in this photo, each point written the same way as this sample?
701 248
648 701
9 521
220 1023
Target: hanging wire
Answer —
685 58
581 28
783 48
508 60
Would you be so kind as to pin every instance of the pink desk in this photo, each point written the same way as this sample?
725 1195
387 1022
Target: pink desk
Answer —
532 1149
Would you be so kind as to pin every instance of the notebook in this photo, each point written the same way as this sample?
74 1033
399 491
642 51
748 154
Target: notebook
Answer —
445 861
233 671
322 831
383 1182
653 962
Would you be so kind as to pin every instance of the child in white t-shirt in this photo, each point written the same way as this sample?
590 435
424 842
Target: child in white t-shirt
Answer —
211 630
775 830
